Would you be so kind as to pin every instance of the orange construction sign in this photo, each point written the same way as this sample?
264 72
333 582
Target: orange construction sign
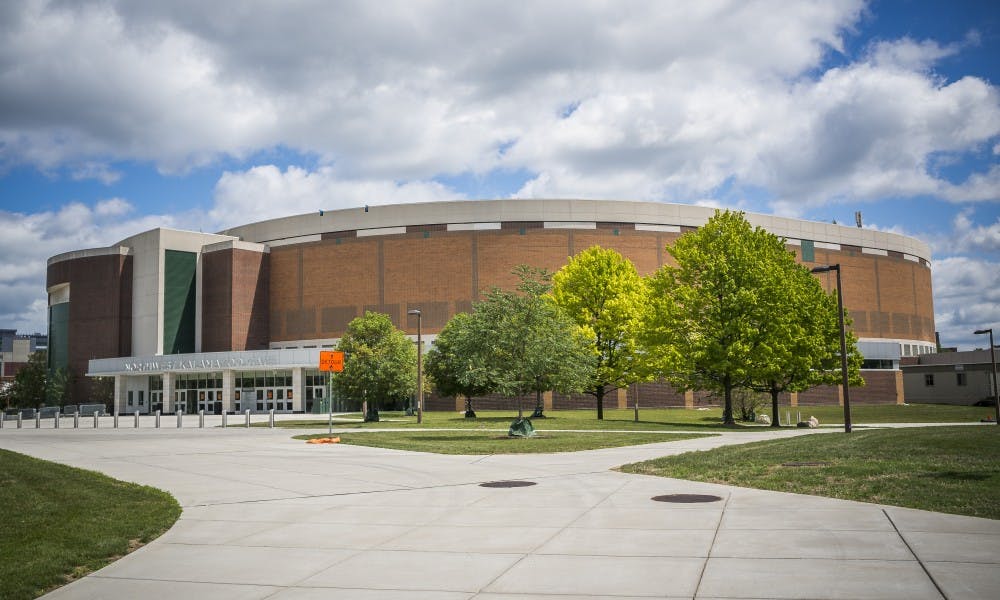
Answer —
331 360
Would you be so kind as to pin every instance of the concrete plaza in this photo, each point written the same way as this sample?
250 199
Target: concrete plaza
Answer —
266 516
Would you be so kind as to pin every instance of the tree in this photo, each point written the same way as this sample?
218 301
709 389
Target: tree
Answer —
29 387
805 350
452 362
380 363
59 386
524 343
719 313
605 296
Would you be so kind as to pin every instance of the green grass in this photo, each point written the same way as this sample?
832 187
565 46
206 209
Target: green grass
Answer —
652 419
58 523
496 442
945 469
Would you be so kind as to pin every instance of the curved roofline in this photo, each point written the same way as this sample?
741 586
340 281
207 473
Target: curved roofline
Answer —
381 219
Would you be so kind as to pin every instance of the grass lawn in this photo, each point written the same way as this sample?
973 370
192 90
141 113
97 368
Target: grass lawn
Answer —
58 523
496 442
945 469
652 419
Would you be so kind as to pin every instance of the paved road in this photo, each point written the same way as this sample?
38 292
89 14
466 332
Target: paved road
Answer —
269 517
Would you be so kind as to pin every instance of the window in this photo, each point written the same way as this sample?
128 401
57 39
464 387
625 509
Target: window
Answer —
960 379
929 379
130 401
141 392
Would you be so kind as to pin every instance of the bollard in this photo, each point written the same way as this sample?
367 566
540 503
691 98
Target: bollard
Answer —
97 419
270 418
223 419
180 419
55 424
76 420
38 420
136 414
248 418
201 418
2 417
19 419
157 419
116 418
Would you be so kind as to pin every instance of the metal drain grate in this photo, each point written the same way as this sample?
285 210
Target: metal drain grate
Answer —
806 463
506 484
686 498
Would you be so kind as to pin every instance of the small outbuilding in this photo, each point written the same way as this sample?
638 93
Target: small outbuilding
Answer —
948 378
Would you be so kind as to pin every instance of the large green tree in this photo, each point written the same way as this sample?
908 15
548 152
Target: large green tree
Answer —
380 363
29 387
720 315
452 362
524 343
805 346
606 297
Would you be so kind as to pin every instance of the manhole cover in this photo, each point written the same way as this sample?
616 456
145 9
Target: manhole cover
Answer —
807 463
686 498
506 484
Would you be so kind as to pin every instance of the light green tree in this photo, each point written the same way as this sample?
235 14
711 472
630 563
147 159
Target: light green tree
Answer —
805 347
524 343
718 316
380 363
453 365
30 383
605 296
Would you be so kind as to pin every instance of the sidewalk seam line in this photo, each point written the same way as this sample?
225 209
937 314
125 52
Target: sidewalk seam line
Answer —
917 558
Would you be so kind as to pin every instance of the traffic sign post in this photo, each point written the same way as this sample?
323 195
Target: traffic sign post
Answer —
330 361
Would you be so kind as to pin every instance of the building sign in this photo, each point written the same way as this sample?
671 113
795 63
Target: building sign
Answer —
194 363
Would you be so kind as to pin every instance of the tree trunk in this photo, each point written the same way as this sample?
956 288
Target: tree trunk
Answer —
774 407
600 402
539 405
727 410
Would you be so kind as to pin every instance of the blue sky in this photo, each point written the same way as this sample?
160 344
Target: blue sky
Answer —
116 117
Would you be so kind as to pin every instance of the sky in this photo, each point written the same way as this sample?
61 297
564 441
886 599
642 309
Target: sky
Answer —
117 117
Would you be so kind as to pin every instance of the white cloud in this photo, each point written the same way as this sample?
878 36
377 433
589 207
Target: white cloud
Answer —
95 170
30 239
966 298
910 54
266 192
670 100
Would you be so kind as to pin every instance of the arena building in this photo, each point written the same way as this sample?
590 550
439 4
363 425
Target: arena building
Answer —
235 320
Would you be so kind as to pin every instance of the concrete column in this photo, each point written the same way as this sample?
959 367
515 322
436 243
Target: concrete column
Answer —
900 396
120 394
228 390
840 395
622 398
298 390
689 399
460 403
169 381
794 398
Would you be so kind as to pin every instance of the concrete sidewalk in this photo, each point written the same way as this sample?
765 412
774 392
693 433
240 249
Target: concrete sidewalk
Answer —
270 517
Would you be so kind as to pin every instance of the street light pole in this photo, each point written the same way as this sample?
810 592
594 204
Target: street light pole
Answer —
420 370
993 361
843 343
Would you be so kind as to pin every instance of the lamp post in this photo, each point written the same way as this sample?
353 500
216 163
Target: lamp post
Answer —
993 361
420 370
843 343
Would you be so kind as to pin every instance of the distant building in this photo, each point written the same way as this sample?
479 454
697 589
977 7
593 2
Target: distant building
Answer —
15 350
948 378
